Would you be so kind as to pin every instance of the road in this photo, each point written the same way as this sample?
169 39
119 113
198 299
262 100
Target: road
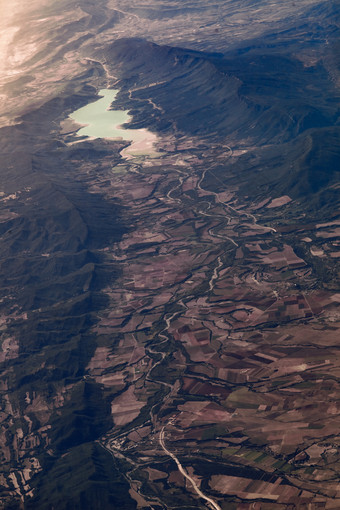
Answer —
211 502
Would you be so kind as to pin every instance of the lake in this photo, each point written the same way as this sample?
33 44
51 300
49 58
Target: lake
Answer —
99 121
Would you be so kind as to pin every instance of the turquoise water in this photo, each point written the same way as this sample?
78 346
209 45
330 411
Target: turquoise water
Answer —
100 122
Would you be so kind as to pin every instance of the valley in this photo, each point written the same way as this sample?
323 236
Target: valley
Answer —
170 307
227 329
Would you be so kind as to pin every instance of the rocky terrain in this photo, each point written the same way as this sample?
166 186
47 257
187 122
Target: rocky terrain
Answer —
170 319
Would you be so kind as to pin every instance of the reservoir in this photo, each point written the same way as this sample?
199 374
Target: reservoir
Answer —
99 121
